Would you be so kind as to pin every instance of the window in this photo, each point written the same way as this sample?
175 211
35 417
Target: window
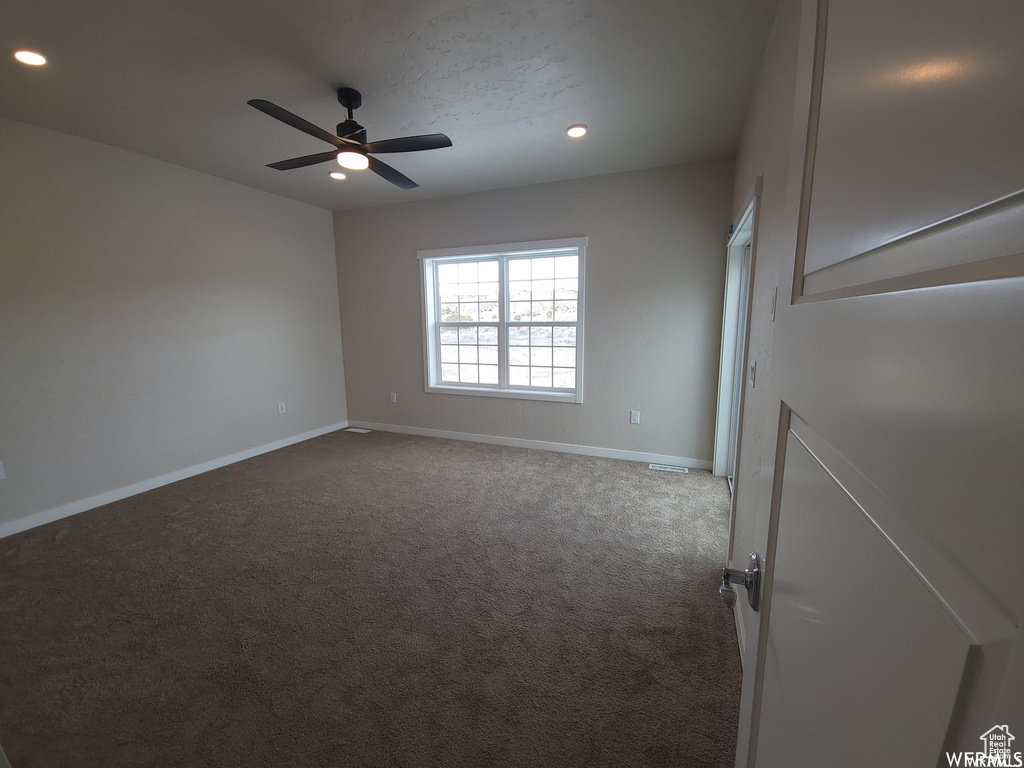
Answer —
505 320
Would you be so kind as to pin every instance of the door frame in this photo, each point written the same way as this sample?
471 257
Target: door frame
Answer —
744 232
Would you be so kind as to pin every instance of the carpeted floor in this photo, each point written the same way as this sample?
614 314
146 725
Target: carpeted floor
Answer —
377 600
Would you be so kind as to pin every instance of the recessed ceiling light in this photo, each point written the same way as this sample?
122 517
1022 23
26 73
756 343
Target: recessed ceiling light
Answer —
30 57
338 175
355 161
576 131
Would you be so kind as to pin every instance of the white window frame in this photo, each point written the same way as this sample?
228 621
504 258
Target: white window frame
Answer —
429 259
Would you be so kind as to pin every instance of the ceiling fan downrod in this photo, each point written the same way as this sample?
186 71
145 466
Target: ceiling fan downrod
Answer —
350 99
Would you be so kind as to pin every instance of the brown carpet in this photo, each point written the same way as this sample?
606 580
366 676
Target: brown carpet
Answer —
377 600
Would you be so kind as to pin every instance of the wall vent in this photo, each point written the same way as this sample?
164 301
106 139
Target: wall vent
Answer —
357 430
669 468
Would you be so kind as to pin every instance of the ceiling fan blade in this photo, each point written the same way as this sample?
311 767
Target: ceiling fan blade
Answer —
385 171
297 122
410 143
302 162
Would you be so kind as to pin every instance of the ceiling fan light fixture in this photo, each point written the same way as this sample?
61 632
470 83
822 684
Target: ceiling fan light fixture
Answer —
30 57
354 161
577 131
337 175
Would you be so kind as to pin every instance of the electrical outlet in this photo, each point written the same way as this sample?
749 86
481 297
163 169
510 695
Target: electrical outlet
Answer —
634 417
280 407
752 373
394 397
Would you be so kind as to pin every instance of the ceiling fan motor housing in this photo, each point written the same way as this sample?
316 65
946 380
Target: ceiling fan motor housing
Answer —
350 129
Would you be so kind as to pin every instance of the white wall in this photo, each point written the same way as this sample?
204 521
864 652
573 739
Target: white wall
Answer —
655 270
151 319
765 151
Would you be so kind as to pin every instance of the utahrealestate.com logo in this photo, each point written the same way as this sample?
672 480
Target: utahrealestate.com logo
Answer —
997 751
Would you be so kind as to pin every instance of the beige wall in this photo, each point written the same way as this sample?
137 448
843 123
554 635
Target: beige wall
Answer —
151 319
765 151
654 276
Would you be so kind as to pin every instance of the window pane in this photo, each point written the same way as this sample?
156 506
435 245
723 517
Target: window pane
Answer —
468 272
519 336
542 290
488 272
542 269
467 354
467 373
449 292
519 311
519 355
543 310
449 335
564 378
488 334
567 266
564 357
489 311
519 376
540 356
450 313
447 273
540 377
467 335
449 353
540 335
564 337
489 292
565 311
489 355
519 291
450 372
469 312
518 269
488 374
566 289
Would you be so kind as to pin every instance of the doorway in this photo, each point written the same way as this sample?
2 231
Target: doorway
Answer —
735 325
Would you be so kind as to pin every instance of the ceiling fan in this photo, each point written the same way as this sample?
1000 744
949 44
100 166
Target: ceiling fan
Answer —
350 146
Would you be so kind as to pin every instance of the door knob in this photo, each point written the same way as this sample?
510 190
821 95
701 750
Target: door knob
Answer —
750 578
728 593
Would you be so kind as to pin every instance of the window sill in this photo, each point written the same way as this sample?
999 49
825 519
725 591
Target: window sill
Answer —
517 394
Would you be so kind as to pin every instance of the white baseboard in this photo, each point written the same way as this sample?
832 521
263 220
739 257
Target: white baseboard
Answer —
81 505
518 442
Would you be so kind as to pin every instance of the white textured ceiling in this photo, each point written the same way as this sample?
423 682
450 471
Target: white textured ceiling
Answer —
657 81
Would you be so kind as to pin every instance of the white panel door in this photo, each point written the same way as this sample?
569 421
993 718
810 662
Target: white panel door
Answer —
922 105
863 662
890 627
